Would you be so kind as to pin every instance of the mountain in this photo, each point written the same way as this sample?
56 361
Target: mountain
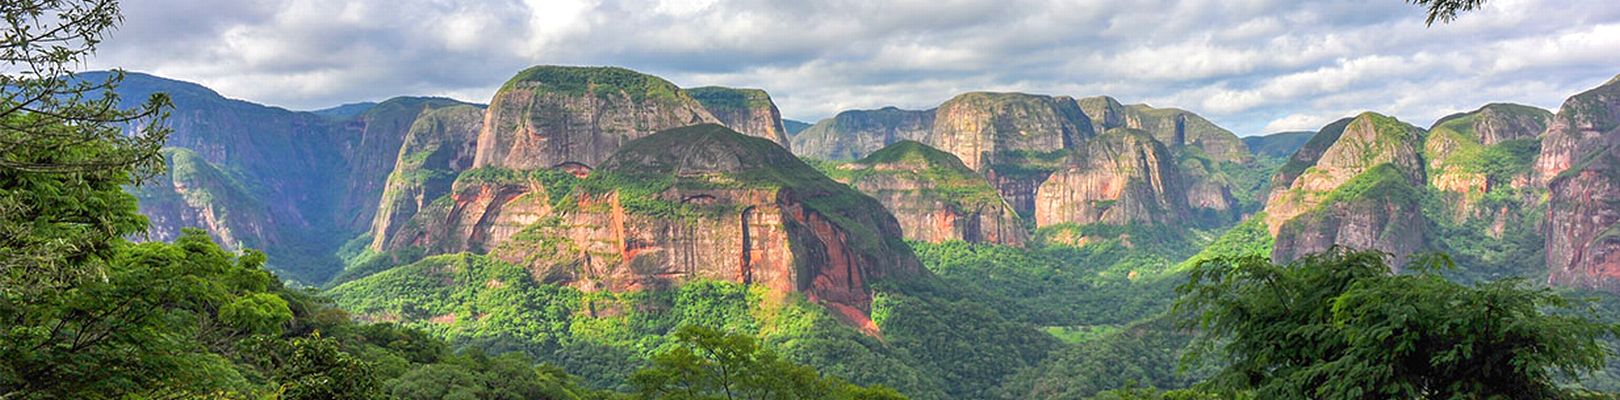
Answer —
549 115
345 111
851 135
933 195
749 111
1357 183
985 129
251 175
794 127
665 209
1277 145
1122 177
1174 127
1486 152
1580 164
439 145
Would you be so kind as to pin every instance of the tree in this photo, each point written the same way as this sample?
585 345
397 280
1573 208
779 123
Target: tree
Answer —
709 364
1446 11
63 142
1340 325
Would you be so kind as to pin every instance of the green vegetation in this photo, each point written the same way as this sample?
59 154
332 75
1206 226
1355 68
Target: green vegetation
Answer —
1340 325
716 98
707 363
597 81
947 179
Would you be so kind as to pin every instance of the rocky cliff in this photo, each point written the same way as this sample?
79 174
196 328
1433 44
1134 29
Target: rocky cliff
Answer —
853 134
749 111
1121 177
292 165
371 147
695 202
549 115
439 146
1580 164
1356 183
985 129
1174 127
1489 151
934 196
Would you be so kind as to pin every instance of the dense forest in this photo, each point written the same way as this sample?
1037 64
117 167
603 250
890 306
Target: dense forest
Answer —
137 263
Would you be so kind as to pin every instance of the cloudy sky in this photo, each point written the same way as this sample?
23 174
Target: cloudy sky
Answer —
1253 66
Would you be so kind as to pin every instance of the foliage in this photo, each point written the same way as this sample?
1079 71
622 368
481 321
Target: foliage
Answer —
710 364
1446 11
598 81
1339 325
1143 353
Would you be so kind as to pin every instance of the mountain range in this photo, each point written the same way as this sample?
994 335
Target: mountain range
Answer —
613 186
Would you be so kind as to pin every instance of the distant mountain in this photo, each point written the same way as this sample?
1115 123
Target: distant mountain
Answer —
1277 145
1357 183
1174 127
794 127
934 196
345 111
853 134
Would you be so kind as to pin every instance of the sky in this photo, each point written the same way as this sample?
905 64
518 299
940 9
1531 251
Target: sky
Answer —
1252 66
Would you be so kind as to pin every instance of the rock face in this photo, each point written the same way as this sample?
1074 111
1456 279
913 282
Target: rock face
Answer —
1580 164
375 136
549 115
749 111
1489 150
197 194
707 202
984 129
1175 128
1121 177
1277 145
1356 184
853 134
294 166
934 196
440 145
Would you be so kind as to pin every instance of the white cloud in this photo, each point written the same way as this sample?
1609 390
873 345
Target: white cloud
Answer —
1253 65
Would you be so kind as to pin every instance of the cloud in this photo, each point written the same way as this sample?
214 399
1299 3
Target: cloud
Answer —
1253 66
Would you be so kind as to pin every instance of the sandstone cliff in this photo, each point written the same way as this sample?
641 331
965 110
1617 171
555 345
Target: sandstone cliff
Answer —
1121 177
1580 164
706 202
440 144
985 129
1176 128
1356 183
549 115
197 194
1489 151
371 147
934 196
749 111
851 135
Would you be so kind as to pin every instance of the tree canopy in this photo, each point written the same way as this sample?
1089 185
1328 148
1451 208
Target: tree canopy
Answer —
1341 325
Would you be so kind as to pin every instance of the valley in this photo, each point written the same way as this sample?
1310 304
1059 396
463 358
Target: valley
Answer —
998 245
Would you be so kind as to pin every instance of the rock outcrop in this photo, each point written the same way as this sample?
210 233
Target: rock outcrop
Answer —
707 202
749 111
439 146
1580 164
195 193
985 129
853 134
550 115
1489 150
1176 128
371 147
934 196
1121 177
1357 184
